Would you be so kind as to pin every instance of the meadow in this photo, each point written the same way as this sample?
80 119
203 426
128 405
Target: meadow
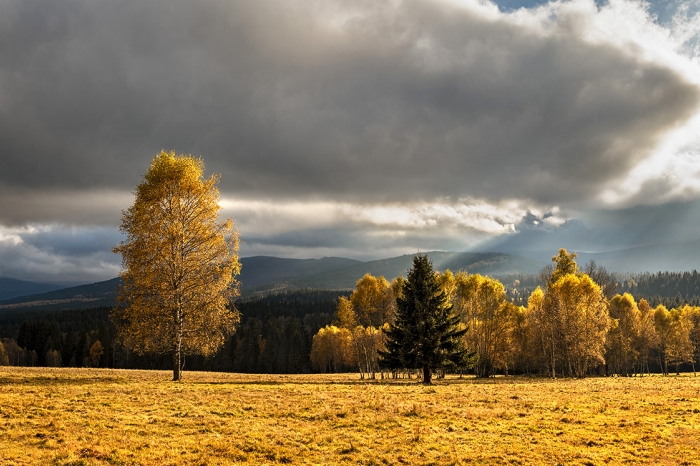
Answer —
100 416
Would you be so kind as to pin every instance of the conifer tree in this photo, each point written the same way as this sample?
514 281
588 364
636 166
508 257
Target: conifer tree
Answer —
426 333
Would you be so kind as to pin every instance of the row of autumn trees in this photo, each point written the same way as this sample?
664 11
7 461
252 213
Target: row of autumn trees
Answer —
278 333
568 328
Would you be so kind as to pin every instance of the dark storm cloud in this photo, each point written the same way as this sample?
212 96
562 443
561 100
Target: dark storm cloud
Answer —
360 101
21 206
58 254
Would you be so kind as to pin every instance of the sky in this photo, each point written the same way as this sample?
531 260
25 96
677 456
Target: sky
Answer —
358 129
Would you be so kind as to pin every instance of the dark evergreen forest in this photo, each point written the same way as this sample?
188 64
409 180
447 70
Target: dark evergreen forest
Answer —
274 336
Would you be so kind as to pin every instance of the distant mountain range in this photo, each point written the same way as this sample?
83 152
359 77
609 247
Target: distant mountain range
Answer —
671 257
668 257
76 297
11 288
263 275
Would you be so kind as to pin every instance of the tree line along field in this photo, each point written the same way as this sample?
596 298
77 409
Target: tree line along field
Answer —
277 331
573 324
68 416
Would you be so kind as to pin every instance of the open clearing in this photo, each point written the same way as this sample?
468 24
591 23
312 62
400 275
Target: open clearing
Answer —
101 416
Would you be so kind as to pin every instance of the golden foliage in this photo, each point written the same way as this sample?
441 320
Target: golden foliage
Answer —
345 315
371 305
565 264
569 328
489 317
568 324
622 351
179 260
579 306
331 350
680 348
373 300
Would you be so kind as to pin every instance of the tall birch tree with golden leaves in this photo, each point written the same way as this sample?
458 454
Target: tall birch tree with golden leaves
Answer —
180 262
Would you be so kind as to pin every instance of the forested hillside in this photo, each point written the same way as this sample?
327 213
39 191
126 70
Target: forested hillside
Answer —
274 336
262 275
671 289
11 288
276 333
662 287
76 297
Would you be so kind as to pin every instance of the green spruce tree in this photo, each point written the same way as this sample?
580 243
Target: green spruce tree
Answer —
426 333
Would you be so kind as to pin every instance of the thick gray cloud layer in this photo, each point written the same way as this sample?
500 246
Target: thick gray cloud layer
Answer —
433 105
360 100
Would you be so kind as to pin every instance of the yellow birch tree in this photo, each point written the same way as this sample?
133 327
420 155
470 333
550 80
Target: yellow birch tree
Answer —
543 332
180 261
331 349
647 339
583 320
489 316
680 348
621 354
662 325
695 334
370 305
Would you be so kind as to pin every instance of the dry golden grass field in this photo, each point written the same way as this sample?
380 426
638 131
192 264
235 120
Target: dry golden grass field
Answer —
98 416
